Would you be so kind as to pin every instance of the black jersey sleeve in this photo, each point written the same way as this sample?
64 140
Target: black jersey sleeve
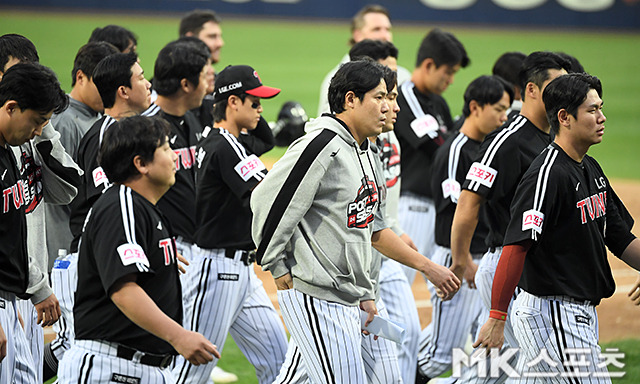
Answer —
239 170
118 241
617 235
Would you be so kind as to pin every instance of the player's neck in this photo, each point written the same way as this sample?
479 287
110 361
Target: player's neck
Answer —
174 106
469 128
151 192
345 117
230 126
573 149
120 111
535 117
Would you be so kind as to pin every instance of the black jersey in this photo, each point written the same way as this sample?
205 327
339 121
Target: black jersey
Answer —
568 209
450 166
505 155
179 203
94 180
226 174
125 234
14 261
422 122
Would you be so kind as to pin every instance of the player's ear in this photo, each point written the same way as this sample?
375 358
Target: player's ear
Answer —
530 90
122 92
563 117
140 165
473 106
10 106
349 100
81 77
185 85
429 64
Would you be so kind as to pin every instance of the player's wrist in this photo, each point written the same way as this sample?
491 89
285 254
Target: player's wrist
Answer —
498 315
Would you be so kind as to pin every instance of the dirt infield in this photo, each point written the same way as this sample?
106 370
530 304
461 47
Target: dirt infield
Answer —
619 319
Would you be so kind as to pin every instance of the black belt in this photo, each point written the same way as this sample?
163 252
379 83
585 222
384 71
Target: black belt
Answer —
247 257
151 359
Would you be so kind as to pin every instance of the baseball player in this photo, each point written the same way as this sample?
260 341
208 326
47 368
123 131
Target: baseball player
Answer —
423 120
128 302
504 156
229 296
313 221
486 101
371 22
124 90
564 213
29 94
508 67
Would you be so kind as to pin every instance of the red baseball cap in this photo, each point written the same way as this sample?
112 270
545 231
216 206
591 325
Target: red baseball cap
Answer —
238 79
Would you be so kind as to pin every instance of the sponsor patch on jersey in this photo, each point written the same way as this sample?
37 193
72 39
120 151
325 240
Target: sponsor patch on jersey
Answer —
451 188
120 378
131 254
228 276
249 167
483 174
580 319
533 220
425 125
99 177
61 264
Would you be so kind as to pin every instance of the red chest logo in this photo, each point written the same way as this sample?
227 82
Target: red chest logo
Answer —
360 211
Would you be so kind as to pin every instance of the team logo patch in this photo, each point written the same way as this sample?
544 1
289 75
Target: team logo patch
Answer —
425 125
32 173
451 188
131 254
120 378
390 162
99 177
580 319
483 174
533 220
360 211
228 276
249 167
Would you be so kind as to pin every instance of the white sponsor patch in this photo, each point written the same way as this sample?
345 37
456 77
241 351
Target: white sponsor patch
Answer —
451 188
425 125
532 219
483 174
131 254
99 177
248 167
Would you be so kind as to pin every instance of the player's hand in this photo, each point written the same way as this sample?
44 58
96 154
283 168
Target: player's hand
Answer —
491 334
195 348
48 311
409 242
3 344
369 306
634 293
444 280
470 274
460 268
284 282
183 263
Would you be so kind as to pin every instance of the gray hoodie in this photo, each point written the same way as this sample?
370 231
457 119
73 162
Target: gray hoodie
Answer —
313 214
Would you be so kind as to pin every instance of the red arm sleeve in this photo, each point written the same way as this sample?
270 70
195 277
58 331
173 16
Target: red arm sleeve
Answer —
507 276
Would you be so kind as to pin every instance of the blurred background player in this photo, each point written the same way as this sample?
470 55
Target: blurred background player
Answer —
486 101
504 156
204 24
85 108
128 304
508 66
29 94
49 175
229 296
371 22
565 213
120 37
423 121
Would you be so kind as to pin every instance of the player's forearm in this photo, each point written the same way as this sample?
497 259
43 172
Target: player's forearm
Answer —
463 227
631 254
392 246
134 302
507 275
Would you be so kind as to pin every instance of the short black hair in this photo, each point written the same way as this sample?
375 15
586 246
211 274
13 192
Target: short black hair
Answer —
127 138
18 47
508 67
112 72
33 86
374 49
390 78
199 44
444 48
575 65
359 77
176 61
357 22
194 20
568 92
486 90
220 108
88 56
119 36
536 66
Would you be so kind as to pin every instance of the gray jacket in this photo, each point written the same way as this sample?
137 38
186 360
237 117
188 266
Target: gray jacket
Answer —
313 214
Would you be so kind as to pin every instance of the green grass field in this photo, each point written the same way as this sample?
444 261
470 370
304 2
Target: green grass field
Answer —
296 55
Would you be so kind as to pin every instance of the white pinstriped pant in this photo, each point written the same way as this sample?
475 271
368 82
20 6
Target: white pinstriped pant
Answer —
417 217
230 298
567 330
34 334
17 366
94 361
451 323
395 292
378 356
64 280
